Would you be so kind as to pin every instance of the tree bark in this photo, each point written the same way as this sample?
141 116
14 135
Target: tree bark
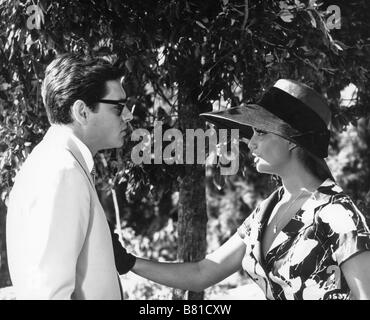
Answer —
4 271
192 223
192 214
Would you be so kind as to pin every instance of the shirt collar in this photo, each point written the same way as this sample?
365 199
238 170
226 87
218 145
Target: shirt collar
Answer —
327 189
86 153
320 196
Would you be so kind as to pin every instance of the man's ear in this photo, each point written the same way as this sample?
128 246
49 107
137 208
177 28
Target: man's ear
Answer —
80 112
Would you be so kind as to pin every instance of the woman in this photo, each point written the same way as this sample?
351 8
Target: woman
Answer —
307 240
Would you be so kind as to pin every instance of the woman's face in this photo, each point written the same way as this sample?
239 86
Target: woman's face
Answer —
270 151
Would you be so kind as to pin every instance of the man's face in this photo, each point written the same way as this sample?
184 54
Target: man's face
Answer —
109 125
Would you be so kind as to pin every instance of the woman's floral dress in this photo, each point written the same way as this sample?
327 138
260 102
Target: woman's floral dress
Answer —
305 257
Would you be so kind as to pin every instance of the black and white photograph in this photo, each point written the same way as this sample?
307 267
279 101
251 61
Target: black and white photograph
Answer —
193 154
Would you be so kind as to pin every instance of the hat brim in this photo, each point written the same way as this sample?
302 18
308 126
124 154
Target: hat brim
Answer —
248 116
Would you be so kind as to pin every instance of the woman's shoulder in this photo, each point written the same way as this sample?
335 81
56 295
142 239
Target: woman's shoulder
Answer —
338 210
334 195
329 193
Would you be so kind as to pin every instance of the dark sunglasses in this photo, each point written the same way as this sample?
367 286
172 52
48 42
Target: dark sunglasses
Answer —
120 104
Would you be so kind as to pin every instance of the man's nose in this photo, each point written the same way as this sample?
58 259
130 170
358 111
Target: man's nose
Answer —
126 115
252 144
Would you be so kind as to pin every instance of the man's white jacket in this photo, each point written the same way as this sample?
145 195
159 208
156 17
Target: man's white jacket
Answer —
58 241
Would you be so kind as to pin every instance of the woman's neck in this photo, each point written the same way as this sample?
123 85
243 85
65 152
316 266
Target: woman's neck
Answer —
299 181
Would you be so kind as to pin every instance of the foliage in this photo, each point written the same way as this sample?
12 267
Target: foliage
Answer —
351 166
226 42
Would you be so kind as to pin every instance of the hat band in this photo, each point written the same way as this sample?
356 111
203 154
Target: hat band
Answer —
292 110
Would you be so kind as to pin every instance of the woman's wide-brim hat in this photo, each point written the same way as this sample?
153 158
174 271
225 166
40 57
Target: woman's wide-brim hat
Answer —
289 109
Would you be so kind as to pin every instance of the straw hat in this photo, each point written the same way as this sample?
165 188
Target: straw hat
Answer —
289 109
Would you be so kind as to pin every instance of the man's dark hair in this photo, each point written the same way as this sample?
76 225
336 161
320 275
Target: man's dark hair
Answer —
71 77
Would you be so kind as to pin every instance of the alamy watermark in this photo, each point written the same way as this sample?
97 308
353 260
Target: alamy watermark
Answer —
333 13
35 17
333 21
175 152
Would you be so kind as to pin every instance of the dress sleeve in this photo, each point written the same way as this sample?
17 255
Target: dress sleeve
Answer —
348 232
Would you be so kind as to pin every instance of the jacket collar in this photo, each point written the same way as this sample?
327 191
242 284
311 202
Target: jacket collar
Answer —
60 135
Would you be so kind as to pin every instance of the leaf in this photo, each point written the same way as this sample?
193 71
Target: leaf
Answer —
340 45
5 86
201 25
313 20
291 43
299 4
9 40
286 15
269 58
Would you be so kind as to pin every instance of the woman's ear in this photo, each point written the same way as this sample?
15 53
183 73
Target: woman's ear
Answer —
79 112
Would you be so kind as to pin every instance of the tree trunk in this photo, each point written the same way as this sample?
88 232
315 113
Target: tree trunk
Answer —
192 214
192 223
4 272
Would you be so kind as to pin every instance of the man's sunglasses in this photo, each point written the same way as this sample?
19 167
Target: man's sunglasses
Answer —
122 104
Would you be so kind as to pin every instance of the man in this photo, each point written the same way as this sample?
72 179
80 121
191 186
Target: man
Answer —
58 240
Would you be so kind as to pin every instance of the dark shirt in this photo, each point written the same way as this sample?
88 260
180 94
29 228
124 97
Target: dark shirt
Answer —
124 261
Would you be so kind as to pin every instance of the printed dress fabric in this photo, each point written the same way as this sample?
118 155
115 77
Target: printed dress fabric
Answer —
303 262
